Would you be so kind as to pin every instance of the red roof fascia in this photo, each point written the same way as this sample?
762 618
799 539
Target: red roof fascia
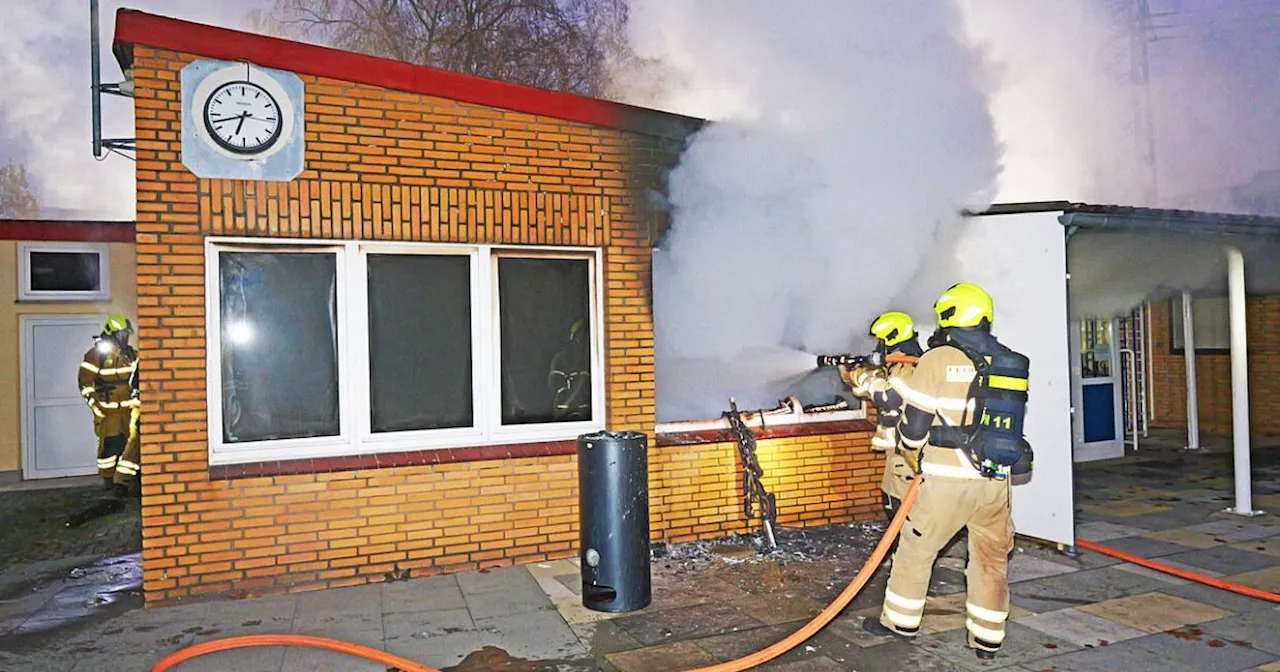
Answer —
74 231
141 28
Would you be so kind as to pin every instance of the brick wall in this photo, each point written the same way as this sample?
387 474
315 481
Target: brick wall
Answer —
385 165
1213 373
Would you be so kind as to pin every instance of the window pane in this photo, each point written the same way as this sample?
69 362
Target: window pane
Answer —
546 340
1095 348
419 342
279 345
65 271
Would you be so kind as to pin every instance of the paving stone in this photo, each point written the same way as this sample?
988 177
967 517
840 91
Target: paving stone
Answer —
551 569
1021 644
540 635
1257 629
1144 547
1267 579
1270 546
817 664
662 658
686 623
1185 650
1185 537
601 637
301 659
573 611
1231 530
572 581
1162 577
426 624
1024 567
1219 598
1179 516
776 611
1079 588
426 594
1155 611
1080 628
1224 559
498 579
898 656
520 600
438 652
1100 531
355 599
947 612
128 661
1124 508
745 642
1269 667
848 626
554 589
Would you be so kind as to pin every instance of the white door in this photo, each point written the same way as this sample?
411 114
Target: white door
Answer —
1096 394
57 426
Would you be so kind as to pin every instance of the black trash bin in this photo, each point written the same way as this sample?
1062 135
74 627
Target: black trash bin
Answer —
613 520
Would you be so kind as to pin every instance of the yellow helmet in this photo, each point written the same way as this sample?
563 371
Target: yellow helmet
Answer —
117 323
893 328
964 305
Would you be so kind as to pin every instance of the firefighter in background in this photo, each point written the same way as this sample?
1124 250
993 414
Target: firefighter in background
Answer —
570 376
965 468
894 333
108 383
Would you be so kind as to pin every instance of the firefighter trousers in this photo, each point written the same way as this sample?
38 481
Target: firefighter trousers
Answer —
893 487
943 507
119 445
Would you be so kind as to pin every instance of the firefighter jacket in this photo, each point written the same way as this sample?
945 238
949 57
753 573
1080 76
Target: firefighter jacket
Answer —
106 377
935 393
570 381
873 385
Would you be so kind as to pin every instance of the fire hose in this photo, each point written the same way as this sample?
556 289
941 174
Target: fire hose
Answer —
746 662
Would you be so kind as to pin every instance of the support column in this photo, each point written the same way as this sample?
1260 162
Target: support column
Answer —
1239 384
1189 356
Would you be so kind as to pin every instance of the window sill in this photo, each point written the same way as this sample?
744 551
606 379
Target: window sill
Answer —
411 458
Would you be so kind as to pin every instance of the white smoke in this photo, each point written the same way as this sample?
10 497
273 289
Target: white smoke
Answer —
45 115
847 135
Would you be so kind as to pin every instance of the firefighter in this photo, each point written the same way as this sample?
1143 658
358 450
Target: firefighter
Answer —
957 490
570 376
894 333
108 383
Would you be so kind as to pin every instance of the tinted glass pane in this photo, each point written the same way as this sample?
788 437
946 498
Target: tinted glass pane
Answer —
546 342
419 342
65 272
279 346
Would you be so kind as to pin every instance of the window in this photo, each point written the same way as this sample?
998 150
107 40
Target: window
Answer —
64 272
326 350
1211 324
1095 348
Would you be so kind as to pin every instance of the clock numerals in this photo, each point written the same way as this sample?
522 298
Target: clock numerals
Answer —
243 118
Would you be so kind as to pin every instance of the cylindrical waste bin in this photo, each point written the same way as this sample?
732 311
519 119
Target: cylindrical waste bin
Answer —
613 520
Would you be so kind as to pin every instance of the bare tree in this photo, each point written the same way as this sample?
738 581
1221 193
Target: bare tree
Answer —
16 199
552 44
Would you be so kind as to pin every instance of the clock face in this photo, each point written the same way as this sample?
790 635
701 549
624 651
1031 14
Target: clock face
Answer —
242 117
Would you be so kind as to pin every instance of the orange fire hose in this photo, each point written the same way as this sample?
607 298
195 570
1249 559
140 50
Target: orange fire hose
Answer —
759 657
1182 573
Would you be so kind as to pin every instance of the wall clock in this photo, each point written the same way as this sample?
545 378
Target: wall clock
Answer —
242 121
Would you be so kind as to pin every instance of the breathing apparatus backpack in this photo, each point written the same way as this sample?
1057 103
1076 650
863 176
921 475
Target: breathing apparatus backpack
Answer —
999 392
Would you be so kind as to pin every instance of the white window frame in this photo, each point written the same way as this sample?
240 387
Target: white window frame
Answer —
1211 316
27 294
355 432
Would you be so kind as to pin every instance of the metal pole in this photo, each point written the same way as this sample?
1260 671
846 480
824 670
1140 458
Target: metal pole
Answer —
1133 391
1239 383
1150 383
96 76
1189 356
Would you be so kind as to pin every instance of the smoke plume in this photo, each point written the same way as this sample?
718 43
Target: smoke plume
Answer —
847 135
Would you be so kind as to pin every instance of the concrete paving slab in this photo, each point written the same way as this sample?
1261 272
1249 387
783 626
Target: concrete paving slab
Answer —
602 637
1234 530
425 624
818 664
1124 509
1024 567
1021 645
1224 559
573 611
534 636
775 611
551 569
299 659
355 633
1269 667
1164 652
428 594
127 661
355 599
1101 531
1080 628
1155 611
1152 574
1185 537
848 626
522 598
663 658
1079 588
898 656
686 623
494 580
745 642
554 589
1257 629
1269 546
947 612
1267 579
572 582
1145 547
438 652
1219 598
